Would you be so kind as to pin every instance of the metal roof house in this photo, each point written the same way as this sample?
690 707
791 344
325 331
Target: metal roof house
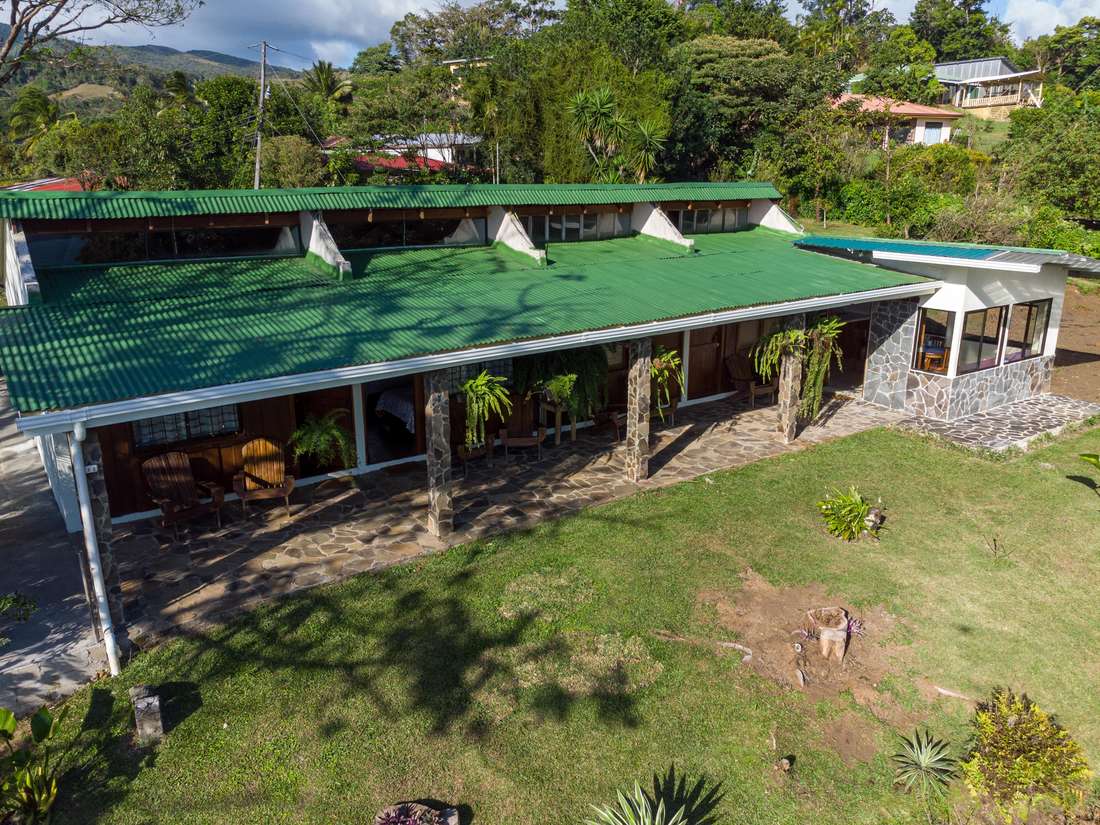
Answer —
140 323
989 87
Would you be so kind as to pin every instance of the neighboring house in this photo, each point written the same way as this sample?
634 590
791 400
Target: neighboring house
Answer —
916 123
46 185
147 322
990 87
437 148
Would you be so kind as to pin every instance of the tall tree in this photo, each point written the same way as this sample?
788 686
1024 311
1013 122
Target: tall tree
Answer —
456 32
745 19
378 59
638 32
902 68
31 115
959 29
36 24
1071 54
323 80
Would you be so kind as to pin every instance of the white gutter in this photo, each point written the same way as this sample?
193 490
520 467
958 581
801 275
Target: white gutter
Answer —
115 412
943 260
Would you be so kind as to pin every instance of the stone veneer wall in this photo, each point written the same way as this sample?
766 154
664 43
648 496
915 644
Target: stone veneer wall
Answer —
893 331
947 399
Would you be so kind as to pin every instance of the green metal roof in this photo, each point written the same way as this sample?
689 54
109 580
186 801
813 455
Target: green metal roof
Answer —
125 331
114 205
935 248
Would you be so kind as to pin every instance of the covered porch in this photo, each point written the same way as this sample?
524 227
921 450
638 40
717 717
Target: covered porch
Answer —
173 584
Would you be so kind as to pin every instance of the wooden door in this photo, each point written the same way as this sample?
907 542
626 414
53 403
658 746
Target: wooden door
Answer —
705 368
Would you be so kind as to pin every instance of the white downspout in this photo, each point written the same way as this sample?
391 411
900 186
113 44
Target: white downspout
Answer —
91 546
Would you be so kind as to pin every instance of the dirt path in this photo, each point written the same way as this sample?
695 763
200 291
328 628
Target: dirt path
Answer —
1077 365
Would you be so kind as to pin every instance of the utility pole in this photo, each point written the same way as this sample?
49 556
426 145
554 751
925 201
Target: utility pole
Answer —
260 112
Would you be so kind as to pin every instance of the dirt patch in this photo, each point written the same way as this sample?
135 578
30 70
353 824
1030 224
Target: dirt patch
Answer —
851 738
1075 365
767 619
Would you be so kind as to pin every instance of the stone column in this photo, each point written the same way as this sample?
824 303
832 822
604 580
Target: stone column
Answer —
437 421
101 516
790 386
890 340
637 410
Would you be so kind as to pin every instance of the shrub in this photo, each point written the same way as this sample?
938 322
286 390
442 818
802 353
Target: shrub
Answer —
1021 756
28 777
850 516
636 810
863 202
324 440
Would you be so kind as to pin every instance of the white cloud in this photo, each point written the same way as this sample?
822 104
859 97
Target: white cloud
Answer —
1030 18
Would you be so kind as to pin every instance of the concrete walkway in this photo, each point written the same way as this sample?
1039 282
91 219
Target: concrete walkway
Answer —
55 653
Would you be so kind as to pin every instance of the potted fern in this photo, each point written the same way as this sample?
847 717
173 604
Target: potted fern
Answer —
324 441
817 347
485 395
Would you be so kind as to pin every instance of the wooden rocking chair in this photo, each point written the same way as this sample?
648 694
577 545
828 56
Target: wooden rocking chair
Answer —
263 474
175 491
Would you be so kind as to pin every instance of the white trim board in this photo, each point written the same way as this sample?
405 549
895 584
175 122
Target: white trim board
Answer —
115 412
943 260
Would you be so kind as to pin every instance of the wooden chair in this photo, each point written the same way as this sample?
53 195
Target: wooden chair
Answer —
263 474
174 489
741 373
522 441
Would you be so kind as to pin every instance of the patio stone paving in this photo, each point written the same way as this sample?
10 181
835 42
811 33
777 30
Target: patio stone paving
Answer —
342 528
1013 425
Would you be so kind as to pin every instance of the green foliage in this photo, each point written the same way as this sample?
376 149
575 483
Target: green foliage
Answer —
28 775
637 32
770 350
587 365
862 201
635 810
17 608
1091 458
822 349
619 148
324 439
322 79
666 370
901 68
924 765
1071 54
959 29
1021 756
1055 151
485 395
291 162
559 389
849 515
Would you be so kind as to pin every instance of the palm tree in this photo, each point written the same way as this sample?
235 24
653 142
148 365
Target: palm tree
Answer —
179 87
648 140
322 80
32 114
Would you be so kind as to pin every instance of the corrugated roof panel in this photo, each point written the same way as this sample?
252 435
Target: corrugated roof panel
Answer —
932 248
398 304
114 205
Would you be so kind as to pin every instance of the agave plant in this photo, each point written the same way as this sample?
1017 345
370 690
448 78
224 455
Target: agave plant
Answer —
924 764
637 810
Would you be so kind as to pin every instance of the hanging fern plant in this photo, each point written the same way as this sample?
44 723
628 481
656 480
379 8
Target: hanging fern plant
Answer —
323 439
485 395
817 347
667 371
823 349
588 365
769 352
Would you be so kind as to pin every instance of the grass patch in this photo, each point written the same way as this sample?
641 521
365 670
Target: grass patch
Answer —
838 228
446 679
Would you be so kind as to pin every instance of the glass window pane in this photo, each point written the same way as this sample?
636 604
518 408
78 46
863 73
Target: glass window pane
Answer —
934 332
702 220
538 230
364 235
556 231
223 243
981 335
588 226
430 232
1027 325
572 227
676 216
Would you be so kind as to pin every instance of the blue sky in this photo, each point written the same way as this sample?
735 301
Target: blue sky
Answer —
336 29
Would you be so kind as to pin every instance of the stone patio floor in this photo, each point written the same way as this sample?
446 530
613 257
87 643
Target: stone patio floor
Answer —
342 528
1014 425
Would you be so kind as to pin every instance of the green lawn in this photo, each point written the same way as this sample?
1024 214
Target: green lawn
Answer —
323 707
838 228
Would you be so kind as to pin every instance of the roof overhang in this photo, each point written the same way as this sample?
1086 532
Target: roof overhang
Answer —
115 412
971 263
978 81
